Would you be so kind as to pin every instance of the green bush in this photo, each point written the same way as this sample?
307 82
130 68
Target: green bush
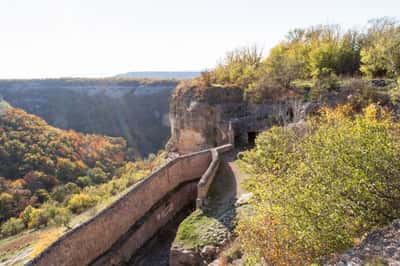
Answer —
97 175
25 215
326 83
380 55
238 69
84 181
80 202
55 215
37 218
316 193
13 226
48 214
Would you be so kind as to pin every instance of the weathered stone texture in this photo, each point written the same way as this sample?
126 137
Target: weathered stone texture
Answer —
220 115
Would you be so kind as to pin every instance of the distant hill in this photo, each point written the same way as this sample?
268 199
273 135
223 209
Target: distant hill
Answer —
135 109
161 74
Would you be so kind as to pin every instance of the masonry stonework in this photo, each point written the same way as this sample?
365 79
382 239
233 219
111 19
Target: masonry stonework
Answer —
87 242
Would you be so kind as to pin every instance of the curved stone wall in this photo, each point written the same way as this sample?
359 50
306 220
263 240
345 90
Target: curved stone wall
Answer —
208 177
89 242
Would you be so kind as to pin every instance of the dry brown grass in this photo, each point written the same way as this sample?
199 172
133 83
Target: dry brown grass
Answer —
45 239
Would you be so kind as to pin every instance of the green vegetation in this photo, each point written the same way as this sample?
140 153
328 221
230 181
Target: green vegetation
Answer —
380 55
199 230
12 227
318 192
321 54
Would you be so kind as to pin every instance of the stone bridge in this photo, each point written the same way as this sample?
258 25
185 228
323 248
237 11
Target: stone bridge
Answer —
114 235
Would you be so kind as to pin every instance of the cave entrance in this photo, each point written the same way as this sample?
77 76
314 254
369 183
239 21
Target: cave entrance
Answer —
251 138
290 114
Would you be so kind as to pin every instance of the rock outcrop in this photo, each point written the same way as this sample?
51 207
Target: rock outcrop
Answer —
380 247
213 116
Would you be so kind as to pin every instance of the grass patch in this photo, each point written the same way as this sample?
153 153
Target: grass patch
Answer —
210 228
198 230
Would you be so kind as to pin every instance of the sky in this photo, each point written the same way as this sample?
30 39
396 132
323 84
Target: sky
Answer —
95 38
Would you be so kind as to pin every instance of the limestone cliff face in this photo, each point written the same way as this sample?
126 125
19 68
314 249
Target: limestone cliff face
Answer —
215 116
201 121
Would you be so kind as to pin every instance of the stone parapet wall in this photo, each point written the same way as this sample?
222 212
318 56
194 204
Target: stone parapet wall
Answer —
159 216
208 177
87 242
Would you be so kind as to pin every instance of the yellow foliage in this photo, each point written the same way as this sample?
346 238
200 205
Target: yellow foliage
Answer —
315 194
45 239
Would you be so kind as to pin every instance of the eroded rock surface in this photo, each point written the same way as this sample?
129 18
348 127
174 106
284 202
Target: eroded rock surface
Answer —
380 247
219 115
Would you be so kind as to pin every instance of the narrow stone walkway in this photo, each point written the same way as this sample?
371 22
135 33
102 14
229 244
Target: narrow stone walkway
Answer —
227 186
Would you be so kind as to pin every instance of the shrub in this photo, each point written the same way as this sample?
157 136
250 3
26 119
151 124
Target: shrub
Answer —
25 215
47 214
5 205
325 83
36 180
80 202
55 215
84 181
97 175
238 69
62 216
319 192
37 218
59 193
42 195
12 227
380 56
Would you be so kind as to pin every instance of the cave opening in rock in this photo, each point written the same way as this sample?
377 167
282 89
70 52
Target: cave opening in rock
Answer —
251 138
290 114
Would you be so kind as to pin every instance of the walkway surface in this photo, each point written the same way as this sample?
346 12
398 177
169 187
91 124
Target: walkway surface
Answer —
227 186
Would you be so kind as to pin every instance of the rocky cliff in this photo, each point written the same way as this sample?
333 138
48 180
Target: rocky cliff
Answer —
213 116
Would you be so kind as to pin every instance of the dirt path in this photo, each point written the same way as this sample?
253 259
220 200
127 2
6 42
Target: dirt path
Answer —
237 174
227 186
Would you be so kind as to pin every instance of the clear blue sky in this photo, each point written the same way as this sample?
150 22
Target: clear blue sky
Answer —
53 38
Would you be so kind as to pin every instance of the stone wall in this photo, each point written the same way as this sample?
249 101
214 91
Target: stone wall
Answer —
164 211
90 241
208 177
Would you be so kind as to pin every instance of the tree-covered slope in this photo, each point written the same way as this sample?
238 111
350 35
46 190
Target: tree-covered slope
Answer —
134 109
41 164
